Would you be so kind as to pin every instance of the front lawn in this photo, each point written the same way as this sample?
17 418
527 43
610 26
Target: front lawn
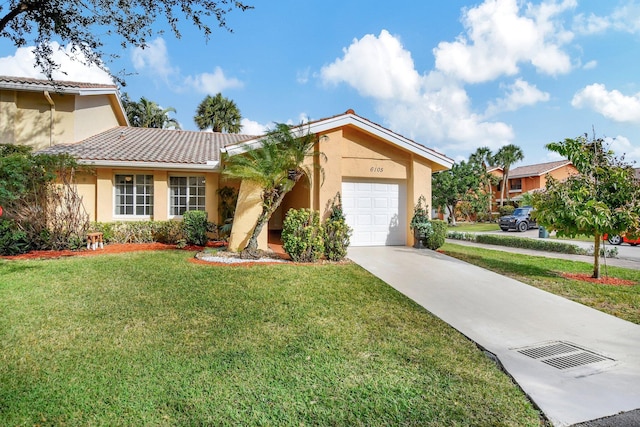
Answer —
544 273
475 227
149 338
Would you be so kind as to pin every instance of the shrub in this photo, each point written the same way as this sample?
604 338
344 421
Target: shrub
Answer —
169 232
196 225
506 210
13 241
438 234
302 235
336 232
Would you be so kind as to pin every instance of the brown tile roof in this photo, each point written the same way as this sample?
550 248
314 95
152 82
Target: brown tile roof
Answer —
149 145
27 81
537 169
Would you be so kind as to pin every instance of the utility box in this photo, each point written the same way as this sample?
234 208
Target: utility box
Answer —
542 232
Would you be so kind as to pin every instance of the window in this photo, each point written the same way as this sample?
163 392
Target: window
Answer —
516 184
134 195
186 193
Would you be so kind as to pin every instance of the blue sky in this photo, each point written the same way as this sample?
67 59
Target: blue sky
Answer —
452 75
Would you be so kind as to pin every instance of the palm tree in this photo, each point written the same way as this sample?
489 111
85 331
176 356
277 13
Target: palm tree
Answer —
276 167
505 157
218 113
148 114
484 158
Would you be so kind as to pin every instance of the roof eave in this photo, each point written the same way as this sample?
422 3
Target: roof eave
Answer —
210 166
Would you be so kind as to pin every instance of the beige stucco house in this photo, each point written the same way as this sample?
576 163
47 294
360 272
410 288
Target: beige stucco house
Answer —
39 114
158 174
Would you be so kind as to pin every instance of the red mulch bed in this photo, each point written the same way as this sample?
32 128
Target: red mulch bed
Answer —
112 248
612 281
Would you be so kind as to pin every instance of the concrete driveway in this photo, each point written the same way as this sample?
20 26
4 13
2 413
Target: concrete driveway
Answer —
577 364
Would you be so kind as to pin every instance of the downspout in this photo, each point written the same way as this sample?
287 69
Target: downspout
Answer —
52 110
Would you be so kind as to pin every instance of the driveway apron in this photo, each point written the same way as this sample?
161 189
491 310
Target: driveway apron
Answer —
576 363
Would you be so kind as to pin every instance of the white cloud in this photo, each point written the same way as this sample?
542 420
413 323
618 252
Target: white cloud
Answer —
73 65
625 18
212 83
154 59
590 65
250 127
611 104
302 76
430 108
376 67
591 24
622 146
499 36
519 94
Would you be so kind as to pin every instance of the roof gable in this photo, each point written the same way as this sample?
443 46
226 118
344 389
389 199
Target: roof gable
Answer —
537 169
351 119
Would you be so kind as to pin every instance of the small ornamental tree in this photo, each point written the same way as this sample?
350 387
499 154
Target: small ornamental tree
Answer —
603 198
276 166
460 183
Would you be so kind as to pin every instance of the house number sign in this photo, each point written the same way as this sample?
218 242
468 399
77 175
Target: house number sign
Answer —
376 169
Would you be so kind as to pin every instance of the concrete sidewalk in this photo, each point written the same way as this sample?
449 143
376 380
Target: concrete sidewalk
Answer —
577 364
612 262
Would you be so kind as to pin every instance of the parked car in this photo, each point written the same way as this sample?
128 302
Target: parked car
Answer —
520 220
617 240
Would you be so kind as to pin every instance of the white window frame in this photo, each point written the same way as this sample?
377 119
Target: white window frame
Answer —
200 182
135 178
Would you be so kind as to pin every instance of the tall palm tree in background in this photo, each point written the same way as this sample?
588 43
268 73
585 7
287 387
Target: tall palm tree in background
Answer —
483 158
505 157
219 114
276 167
148 114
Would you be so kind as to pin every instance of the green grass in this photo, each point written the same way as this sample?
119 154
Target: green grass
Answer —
544 273
475 227
150 339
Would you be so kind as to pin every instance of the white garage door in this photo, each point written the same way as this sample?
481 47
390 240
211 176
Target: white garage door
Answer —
376 212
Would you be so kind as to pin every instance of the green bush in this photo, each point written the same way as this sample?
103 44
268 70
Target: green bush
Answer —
196 225
519 242
438 234
506 210
336 232
13 241
302 235
169 232
125 231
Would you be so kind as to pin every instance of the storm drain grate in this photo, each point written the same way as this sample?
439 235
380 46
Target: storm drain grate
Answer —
562 355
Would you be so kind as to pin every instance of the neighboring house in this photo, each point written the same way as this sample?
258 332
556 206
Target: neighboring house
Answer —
525 179
158 174
38 114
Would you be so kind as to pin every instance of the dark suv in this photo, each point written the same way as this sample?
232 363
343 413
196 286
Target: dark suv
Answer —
520 220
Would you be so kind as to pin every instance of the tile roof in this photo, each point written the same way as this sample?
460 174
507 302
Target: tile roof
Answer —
27 82
149 145
537 169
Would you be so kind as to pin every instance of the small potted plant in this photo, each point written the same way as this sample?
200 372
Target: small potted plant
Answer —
420 223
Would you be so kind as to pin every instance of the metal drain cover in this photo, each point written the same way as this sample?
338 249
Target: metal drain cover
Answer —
562 355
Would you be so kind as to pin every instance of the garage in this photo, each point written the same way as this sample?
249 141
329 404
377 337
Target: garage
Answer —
376 211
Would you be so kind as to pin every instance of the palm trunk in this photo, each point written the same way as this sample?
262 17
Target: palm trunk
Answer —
267 210
596 256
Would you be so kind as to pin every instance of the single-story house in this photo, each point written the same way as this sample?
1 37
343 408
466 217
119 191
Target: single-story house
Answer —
158 174
143 173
